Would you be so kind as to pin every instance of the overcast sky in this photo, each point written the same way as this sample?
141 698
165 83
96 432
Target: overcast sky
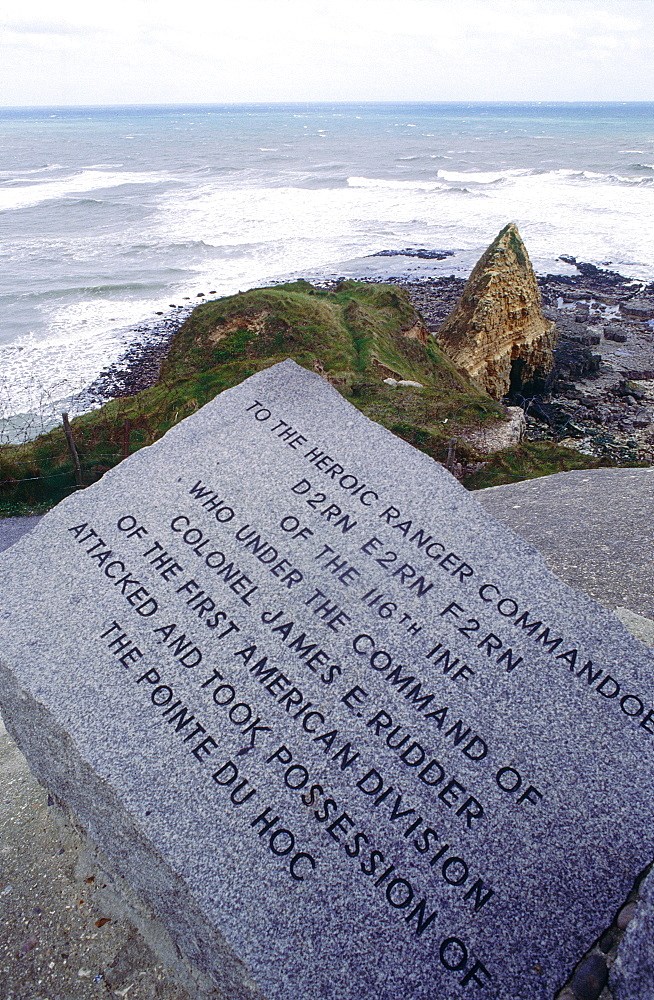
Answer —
160 51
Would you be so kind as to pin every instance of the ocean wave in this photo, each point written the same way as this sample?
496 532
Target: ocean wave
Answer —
330 165
478 177
88 201
73 293
443 179
392 185
627 181
212 169
594 177
46 168
540 176
29 194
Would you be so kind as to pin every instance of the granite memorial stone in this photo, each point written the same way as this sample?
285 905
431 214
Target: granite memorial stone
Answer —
346 735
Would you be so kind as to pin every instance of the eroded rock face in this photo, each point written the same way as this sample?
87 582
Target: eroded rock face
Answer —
417 332
497 332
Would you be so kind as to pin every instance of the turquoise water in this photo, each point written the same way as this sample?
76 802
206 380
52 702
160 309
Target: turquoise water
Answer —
108 215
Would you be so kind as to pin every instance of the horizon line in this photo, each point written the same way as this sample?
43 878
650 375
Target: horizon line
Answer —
300 102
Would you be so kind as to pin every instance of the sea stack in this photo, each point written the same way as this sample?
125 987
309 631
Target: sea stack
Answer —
497 332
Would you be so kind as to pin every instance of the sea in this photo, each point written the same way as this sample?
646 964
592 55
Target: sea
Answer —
113 216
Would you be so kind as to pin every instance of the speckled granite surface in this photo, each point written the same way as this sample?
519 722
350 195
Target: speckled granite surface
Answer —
151 806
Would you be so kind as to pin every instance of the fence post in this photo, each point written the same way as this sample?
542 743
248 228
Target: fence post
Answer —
126 433
73 451
451 455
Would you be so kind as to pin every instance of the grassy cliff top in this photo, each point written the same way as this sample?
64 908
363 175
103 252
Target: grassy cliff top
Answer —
355 336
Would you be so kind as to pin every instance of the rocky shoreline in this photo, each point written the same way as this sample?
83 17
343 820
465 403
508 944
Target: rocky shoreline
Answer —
599 399
139 366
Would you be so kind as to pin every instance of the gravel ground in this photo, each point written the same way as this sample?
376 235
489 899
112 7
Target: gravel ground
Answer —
64 932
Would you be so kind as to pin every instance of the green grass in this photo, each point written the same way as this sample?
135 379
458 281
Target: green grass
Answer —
354 336
527 461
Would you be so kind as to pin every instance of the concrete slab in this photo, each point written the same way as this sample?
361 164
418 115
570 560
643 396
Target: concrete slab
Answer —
595 528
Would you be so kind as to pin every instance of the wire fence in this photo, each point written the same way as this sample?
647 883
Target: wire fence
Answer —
28 410
37 478
42 458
